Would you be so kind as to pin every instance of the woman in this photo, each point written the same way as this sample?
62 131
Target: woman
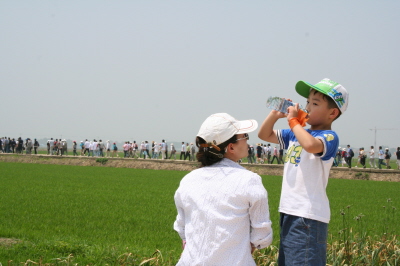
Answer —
223 212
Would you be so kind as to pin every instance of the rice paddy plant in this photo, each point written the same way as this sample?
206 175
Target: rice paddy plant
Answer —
76 215
358 244
94 213
367 252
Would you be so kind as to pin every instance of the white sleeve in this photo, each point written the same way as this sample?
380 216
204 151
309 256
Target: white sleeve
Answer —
179 224
260 223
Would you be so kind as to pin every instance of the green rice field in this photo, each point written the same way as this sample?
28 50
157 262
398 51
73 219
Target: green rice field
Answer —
56 214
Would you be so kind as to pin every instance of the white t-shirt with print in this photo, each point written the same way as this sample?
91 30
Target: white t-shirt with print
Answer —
306 175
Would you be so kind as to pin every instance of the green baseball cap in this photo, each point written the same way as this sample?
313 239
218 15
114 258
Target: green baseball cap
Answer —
328 87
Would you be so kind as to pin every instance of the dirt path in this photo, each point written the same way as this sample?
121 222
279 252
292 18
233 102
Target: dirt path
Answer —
264 169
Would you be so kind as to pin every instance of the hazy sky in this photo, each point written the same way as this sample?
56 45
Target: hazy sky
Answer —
152 70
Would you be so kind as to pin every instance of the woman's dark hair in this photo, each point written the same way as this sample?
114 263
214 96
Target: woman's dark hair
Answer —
209 154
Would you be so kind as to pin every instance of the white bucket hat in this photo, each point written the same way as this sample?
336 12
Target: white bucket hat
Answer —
220 127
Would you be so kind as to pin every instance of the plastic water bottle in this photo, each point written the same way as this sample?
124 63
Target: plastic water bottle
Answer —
280 104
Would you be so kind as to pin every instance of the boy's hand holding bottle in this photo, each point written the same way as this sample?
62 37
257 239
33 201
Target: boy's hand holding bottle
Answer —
295 114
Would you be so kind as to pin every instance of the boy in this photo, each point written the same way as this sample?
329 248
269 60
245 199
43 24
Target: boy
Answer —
304 205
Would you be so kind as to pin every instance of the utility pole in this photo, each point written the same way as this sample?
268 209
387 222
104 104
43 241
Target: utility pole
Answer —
376 129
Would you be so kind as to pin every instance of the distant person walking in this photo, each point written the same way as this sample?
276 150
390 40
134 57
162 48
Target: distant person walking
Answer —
344 155
48 147
349 156
372 163
142 149
146 144
59 148
363 156
126 147
358 158
87 147
20 145
134 149
338 157
187 155
101 149
29 146
156 150
163 150
387 158
74 147
249 155
36 146
275 156
269 152
51 145
115 150
173 151
183 151
398 158
381 158
259 151
65 147
108 149
281 155
82 145
192 152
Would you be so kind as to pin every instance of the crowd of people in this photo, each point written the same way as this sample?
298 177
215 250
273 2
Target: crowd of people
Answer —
156 150
98 148
344 156
12 145
262 154
265 154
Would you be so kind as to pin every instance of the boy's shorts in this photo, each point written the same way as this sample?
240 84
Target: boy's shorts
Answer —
303 241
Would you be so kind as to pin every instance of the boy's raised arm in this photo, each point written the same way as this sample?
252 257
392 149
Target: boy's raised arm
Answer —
267 132
306 140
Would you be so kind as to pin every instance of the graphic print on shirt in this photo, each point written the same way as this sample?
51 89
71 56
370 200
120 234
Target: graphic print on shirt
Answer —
329 137
293 154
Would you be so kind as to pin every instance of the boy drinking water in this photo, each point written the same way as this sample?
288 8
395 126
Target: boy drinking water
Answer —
304 205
